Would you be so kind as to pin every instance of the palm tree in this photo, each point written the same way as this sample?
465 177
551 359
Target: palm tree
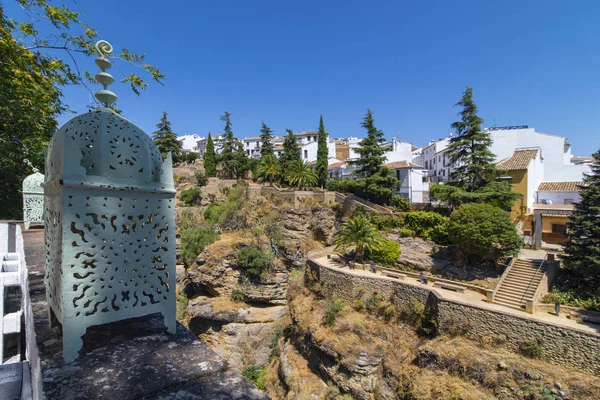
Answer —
360 233
268 168
301 174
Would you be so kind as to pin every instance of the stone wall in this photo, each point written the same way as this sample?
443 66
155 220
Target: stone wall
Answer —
295 198
561 345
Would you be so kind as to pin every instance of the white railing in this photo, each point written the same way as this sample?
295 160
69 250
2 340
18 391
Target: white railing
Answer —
13 274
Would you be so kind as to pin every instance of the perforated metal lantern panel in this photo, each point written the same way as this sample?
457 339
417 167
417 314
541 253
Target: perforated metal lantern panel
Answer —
33 199
110 226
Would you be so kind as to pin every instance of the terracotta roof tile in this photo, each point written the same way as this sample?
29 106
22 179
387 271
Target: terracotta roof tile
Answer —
337 165
402 164
560 186
519 160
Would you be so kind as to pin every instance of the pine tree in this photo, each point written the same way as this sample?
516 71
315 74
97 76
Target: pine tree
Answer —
227 157
582 252
322 155
291 150
242 162
166 140
210 158
266 139
469 151
371 153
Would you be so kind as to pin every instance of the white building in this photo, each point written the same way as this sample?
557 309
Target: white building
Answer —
217 142
559 165
414 185
190 142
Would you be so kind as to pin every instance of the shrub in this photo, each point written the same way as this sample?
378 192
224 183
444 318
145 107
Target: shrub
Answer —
400 203
405 232
422 223
532 348
419 315
237 295
337 209
439 234
201 178
230 213
374 302
255 260
387 254
194 240
334 308
389 312
273 228
387 221
359 305
275 343
190 196
181 307
255 375
482 230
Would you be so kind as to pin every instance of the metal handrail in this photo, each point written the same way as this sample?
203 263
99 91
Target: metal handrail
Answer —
533 277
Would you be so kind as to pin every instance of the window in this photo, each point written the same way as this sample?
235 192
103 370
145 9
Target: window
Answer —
257 145
433 160
444 172
305 153
439 158
426 165
559 228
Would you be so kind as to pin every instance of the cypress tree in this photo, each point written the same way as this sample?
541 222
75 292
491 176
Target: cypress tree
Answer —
469 151
582 252
227 157
166 140
371 153
291 150
322 155
242 162
266 139
210 158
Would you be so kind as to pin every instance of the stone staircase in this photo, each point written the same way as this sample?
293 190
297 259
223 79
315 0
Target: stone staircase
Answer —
518 285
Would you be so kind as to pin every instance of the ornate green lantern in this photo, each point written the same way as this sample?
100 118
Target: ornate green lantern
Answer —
109 222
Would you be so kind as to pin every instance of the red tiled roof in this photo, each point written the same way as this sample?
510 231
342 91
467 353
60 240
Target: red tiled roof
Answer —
560 186
402 164
336 165
519 160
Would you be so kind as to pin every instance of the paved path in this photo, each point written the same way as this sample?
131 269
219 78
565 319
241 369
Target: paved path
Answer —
470 296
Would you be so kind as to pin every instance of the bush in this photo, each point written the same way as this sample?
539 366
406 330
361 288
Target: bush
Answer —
482 230
181 306
334 308
237 295
194 240
229 213
387 221
275 343
422 223
190 196
439 233
359 305
201 178
389 312
532 348
374 303
420 316
255 375
255 260
400 203
405 232
387 254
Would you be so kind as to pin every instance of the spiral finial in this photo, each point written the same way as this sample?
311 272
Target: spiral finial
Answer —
104 78
35 170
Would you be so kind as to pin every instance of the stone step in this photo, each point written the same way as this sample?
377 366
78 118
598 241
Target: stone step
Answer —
512 287
524 274
509 305
514 296
522 279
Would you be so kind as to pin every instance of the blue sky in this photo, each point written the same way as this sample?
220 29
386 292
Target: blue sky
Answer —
529 62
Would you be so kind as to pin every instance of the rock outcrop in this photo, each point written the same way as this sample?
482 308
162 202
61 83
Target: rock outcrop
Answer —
241 334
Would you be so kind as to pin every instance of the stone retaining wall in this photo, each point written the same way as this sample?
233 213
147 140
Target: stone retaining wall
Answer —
295 198
561 345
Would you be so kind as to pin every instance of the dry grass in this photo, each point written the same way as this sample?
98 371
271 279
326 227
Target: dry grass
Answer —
300 381
460 368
